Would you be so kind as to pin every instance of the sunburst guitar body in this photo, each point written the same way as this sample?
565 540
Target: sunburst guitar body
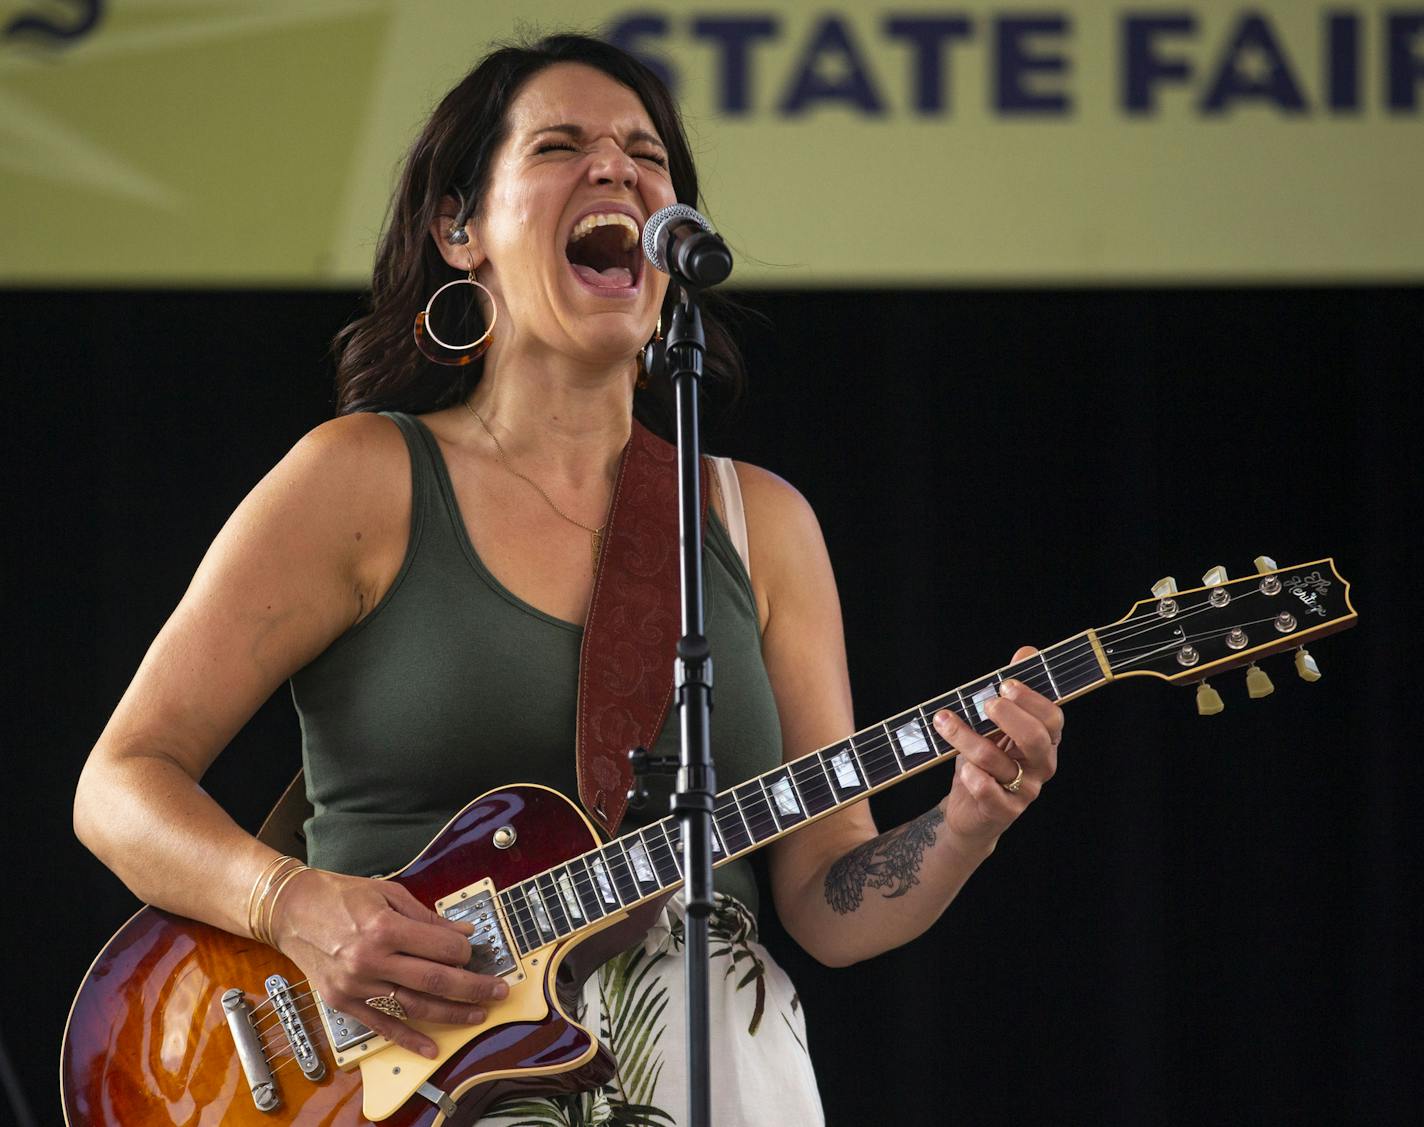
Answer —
151 1041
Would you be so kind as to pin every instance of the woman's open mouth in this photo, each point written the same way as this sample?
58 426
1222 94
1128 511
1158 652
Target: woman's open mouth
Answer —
604 252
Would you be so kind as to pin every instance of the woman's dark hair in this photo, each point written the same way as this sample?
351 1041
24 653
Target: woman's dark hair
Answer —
378 365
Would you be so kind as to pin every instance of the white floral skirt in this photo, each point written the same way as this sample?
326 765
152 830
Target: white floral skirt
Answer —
761 1071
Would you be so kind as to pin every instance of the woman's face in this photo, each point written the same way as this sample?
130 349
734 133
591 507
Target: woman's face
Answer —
557 236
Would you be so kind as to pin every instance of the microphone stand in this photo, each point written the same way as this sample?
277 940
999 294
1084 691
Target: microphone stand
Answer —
694 798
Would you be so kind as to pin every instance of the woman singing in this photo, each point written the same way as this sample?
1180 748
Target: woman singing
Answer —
420 569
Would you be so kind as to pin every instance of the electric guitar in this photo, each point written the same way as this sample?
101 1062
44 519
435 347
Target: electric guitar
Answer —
180 1023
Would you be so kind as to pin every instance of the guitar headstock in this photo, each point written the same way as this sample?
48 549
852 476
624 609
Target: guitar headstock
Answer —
1228 623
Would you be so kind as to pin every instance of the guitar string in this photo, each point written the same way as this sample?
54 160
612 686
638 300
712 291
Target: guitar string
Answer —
589 886
1082 655
1069 670
806 781
1151 618
876 756
878 764
762 820
309 1001
815 784
1039 680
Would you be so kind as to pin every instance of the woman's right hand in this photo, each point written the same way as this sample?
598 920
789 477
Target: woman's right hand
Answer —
357 938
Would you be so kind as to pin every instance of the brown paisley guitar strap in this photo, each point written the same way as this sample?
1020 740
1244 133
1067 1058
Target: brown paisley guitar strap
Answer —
634 620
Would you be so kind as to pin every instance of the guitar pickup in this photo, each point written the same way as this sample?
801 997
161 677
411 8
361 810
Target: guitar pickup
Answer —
489 954
489 946
345 1034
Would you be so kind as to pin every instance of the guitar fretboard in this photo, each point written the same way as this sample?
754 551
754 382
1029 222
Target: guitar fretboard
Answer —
645 863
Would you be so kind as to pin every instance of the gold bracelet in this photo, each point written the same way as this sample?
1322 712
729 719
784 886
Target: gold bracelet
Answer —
261 888
256 888
278 878
278 887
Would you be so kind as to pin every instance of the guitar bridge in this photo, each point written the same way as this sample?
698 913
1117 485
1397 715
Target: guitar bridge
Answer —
289 1014
250 1052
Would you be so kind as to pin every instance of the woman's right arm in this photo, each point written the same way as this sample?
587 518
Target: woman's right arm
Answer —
302 559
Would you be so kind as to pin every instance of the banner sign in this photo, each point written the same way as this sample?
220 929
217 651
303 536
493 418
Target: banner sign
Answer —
256 142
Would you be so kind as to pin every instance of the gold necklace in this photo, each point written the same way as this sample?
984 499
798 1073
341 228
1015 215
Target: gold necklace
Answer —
595 533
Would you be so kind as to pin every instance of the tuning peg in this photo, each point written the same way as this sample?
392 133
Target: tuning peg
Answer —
1305 665
1164 587
1258 685
1208 700
1215 577
1264 564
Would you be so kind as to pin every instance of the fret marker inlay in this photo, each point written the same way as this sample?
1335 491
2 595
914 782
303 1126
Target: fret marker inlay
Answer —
982 698
600 874
912 740
571 902
541 917
641 866
785 800
845 770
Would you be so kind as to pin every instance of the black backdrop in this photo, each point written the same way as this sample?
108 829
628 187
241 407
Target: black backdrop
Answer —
1202 919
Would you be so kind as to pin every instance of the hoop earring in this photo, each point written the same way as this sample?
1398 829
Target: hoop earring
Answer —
647 356
454 355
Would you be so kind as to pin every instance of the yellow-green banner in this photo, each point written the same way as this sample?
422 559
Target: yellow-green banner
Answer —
157 142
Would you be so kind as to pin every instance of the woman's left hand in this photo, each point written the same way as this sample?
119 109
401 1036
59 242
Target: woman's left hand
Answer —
980 806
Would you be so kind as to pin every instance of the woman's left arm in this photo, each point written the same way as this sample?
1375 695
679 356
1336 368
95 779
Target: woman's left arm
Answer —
843 890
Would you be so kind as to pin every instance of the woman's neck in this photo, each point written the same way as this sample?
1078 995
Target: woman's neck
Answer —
565 421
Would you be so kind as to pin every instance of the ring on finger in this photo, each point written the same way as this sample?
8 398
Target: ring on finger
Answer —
388 1005
1013 787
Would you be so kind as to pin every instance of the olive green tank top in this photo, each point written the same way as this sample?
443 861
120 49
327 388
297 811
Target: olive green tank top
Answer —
453 686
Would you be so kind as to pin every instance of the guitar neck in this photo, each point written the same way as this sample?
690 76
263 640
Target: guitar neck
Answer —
1175 636
644 863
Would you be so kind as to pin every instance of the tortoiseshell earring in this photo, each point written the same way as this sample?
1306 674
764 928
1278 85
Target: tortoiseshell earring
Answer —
430 345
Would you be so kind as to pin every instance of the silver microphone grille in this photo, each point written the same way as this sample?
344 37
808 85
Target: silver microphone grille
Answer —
658 222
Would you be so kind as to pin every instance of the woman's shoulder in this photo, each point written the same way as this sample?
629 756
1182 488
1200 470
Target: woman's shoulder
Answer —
351 440
345 489
771 501
782 530
347 478
348 460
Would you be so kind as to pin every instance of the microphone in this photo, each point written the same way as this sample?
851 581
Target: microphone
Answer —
681 243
